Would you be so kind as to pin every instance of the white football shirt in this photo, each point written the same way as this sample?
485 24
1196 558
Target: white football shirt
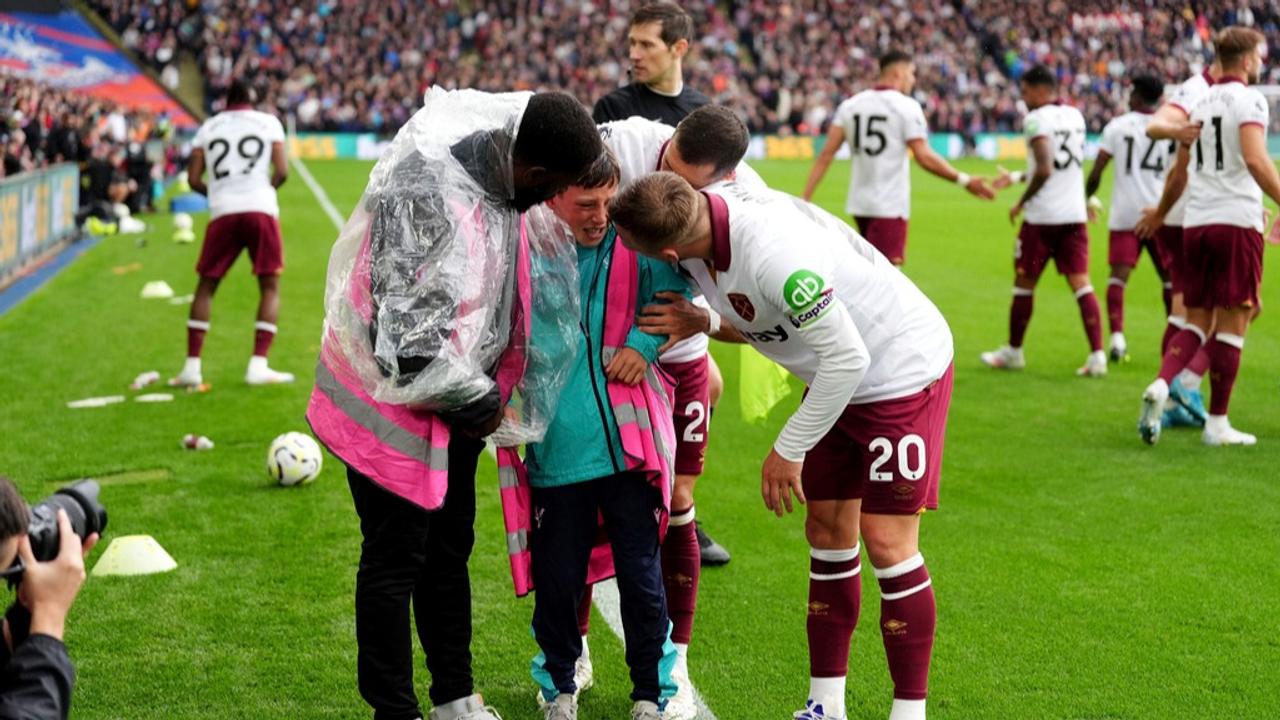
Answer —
1220 189
1061 199
812 295
237 159
1140 164
878 124
638 144
1185 98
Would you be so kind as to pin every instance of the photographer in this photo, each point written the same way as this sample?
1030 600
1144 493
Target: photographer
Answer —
36 675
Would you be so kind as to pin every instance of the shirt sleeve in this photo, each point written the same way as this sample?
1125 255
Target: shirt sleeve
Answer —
655 277
914 126
1033 127
843 114
799 286
37 681
1108 140
275 131
201 137
1252 110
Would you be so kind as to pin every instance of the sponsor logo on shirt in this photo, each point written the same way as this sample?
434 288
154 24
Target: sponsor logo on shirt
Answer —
777 334
742 305
803 289
812 314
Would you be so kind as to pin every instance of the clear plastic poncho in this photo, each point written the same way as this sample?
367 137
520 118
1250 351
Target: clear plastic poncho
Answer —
423 293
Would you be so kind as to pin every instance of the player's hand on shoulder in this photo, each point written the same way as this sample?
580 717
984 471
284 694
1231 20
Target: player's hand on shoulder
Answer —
627 367
1188 133
676 317
779 478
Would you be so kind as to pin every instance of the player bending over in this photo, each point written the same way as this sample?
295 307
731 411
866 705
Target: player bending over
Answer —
864 449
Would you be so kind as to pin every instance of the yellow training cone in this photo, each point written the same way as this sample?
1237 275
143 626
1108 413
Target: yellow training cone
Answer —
134 555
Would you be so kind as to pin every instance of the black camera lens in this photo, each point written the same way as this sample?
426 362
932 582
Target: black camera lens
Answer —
86 514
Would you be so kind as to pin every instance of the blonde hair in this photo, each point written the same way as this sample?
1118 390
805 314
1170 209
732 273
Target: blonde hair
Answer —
657 211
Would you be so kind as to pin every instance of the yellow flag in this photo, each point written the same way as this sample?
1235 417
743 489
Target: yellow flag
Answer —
762 385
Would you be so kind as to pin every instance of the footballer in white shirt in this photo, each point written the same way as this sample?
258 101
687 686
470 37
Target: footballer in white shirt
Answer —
1141 164
1054 222
1164 222
1230 170
864 450
882 125
242 150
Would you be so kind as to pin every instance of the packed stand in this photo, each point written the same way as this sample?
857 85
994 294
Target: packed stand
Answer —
354 65
41 126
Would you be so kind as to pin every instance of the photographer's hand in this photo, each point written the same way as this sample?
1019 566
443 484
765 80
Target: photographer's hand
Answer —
49 588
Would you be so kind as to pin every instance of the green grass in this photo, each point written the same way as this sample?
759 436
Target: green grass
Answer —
1079 573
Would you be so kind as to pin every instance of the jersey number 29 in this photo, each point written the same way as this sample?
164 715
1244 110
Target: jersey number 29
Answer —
250 148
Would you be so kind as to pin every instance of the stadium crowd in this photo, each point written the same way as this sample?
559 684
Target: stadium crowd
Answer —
42 125
346 65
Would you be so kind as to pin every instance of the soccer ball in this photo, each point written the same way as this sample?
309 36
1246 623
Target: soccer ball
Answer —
181 221
294 459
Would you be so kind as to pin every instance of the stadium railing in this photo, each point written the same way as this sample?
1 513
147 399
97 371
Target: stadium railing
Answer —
37 215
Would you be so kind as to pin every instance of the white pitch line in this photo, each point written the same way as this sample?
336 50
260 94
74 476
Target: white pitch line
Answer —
606 593
605 597
321 197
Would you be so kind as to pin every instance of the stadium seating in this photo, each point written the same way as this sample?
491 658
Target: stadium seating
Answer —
784 66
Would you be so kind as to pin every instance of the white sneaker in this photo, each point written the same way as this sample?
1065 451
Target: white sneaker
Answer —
190 375
1218 431
1005 358
583 673
1119 348
259 374
467 708
1153 401
564 707
681 706
1095 365
645 710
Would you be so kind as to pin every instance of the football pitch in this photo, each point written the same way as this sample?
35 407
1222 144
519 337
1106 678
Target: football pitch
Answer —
1079 573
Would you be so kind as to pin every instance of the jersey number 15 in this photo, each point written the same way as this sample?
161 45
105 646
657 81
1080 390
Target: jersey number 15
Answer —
861 143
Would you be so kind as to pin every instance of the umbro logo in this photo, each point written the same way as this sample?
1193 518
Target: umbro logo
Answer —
894 627
818 608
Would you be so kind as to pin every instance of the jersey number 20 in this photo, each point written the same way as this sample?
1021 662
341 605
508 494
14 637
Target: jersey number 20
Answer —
906 468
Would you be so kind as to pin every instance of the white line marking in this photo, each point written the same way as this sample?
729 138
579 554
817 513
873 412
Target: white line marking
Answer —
321 196
605 597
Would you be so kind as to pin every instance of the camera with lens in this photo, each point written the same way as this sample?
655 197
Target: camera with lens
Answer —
87 516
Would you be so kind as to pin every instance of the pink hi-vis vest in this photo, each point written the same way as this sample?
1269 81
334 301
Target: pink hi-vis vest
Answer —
400 448
645 427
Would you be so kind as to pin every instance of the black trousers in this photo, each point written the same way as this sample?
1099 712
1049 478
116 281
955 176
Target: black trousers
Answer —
413 556
563 534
